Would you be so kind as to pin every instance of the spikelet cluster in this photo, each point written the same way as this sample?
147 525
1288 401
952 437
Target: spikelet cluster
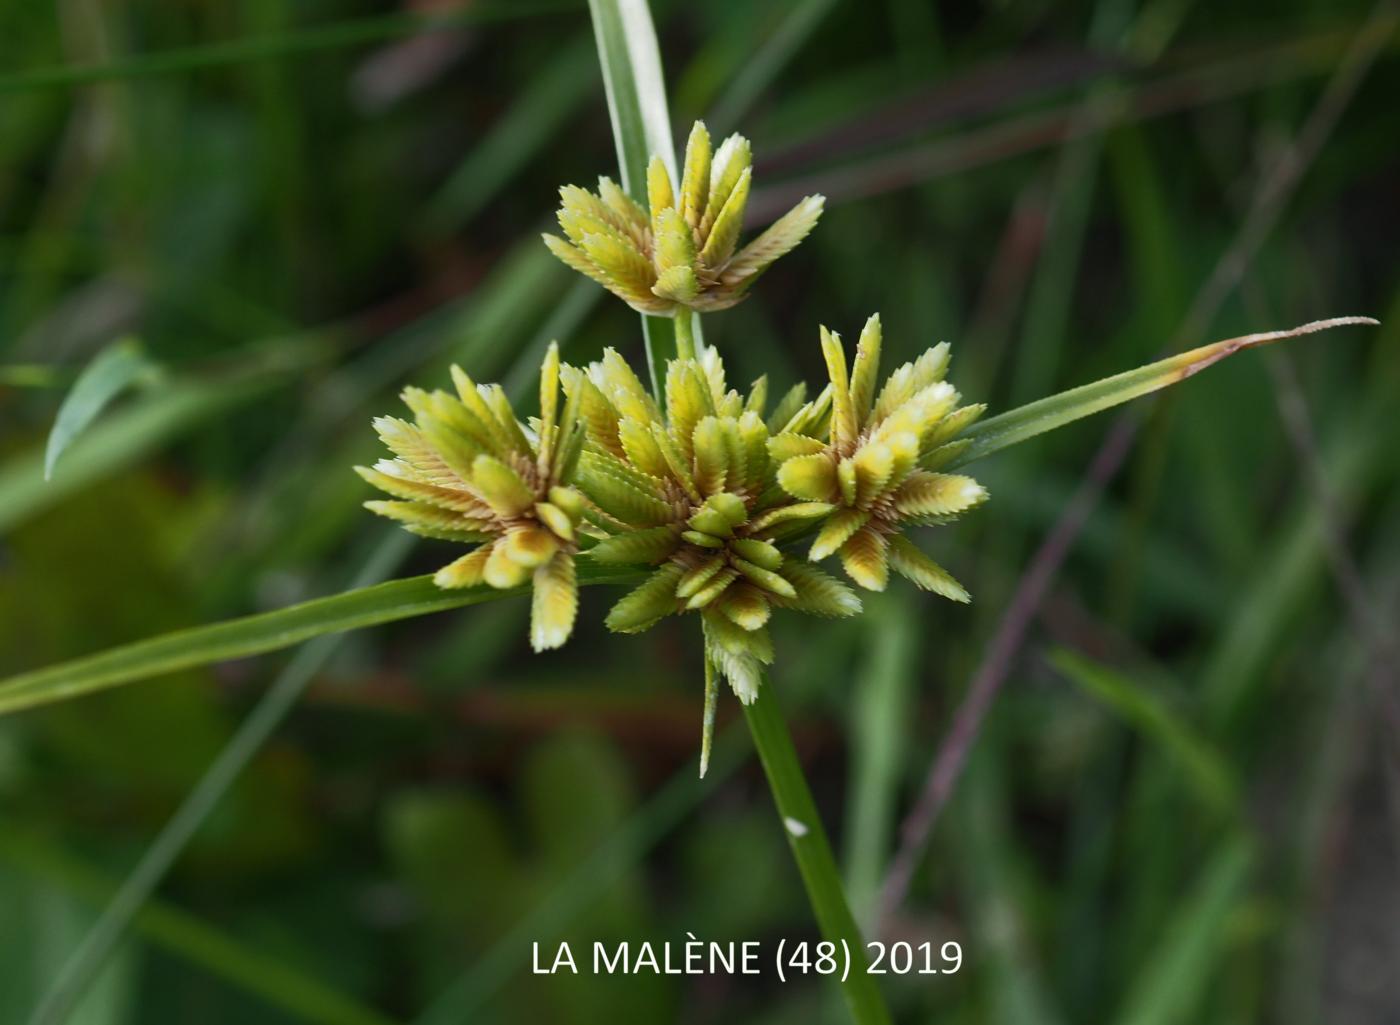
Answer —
683 252
875 459
467 470
690 490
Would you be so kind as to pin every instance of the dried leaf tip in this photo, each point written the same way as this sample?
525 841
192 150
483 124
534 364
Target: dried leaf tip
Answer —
683 250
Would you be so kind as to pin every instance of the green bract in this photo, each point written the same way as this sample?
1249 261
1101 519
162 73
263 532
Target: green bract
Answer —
681 253
467 470
874 459
692 491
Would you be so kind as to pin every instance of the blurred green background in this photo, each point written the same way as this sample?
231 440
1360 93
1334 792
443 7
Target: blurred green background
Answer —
1183 805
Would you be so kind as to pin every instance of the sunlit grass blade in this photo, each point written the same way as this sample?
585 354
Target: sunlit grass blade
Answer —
252 635
119 366
1018 425
631 63
1142 708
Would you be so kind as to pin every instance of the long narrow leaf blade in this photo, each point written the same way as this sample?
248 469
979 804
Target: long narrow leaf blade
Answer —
1143 709
1182 965
1046 414
631 64
113 370
250 635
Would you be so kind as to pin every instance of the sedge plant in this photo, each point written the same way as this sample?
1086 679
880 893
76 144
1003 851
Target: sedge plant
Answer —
710 501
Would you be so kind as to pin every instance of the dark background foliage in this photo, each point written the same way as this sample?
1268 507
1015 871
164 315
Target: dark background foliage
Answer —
1182 805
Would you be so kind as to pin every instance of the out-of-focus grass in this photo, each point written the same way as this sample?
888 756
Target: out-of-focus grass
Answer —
297 237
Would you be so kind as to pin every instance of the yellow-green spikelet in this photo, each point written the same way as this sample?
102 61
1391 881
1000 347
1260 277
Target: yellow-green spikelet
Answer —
875 458
467 470
692 492
683 250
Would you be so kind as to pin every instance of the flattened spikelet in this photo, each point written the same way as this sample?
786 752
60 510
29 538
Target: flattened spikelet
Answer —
681 251
554 605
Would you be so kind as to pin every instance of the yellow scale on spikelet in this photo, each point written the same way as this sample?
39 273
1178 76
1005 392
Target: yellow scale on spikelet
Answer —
467 470
682 251
693 493
877 463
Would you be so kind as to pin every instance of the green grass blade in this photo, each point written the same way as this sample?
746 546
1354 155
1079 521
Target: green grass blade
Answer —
533 119
31 375
636 90
132 433
631 64
1210 774
122 440
276 980
355 32
758 72
117 367
879 736
252 635
1025 422
1179 969
84 964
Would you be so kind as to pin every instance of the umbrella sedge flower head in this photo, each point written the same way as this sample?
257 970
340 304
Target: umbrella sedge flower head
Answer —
875 459
692 493
682 252
467 470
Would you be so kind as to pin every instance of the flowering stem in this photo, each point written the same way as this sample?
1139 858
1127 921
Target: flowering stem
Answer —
685 333
809 846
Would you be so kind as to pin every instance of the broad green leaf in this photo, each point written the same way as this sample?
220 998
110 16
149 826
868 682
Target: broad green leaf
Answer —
631 64
252 635
1046 414
1143 708
119 366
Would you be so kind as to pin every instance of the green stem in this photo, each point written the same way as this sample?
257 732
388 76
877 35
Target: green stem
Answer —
631 64
685 333
809 846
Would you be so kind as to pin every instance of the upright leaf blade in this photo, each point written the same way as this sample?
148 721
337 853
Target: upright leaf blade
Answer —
1181 966
113 370
631 64
1046 414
